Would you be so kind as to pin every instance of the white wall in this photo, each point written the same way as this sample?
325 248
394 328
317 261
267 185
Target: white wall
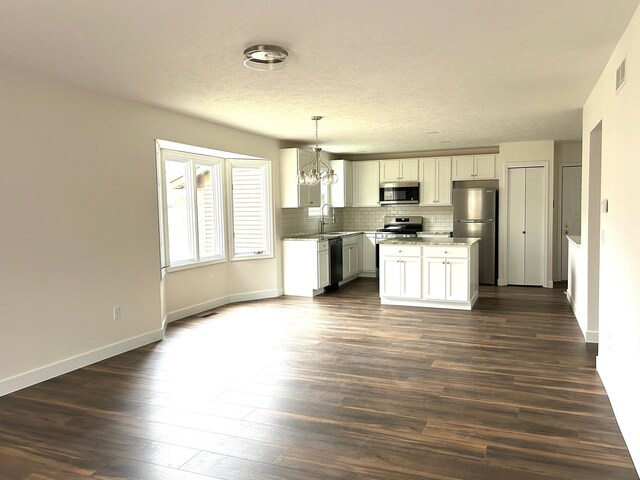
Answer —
540 152
80 229
619 285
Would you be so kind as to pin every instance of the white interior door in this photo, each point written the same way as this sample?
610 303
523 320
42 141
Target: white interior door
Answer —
535 205
526 206
570 213
515 225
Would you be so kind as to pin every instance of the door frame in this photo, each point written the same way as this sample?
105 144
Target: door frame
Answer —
558 226
548 221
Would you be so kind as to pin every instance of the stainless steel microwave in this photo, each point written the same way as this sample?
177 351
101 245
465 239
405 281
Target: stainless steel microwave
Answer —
393 193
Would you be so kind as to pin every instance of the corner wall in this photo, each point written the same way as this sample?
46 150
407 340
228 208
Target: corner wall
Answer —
80 226
619 303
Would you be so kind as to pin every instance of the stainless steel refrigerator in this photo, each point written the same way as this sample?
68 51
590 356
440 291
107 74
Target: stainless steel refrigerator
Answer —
475 214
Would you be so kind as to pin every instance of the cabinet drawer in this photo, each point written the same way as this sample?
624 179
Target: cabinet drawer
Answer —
400 250
323 245
350 240
446 252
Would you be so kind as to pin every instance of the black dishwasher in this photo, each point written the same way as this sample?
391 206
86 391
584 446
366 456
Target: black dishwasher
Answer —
335 263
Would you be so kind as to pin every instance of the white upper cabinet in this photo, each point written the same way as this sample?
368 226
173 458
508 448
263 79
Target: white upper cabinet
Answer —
404 170
342 192
435 181
474 167
293 195
366 183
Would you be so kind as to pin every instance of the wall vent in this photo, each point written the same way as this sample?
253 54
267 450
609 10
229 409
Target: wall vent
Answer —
621 75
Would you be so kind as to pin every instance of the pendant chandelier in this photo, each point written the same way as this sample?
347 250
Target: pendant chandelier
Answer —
312 172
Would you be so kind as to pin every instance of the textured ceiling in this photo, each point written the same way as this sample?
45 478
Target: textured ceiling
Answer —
384 74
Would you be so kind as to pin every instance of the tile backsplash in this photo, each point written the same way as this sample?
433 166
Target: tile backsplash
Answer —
433 218
296 221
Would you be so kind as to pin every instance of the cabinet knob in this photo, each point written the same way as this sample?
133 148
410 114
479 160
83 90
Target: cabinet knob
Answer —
523 232
445 252
443 262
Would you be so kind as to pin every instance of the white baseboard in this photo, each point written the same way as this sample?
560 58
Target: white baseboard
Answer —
591 337
368 274
220 301
47 372
259 295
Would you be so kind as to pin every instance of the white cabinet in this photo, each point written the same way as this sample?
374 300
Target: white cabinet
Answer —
366 183
323 268
306 267
368 255
293 195
474 167
403 170
438 275
351 256
435 181
446 279
400 271
448 273
526 207
342 191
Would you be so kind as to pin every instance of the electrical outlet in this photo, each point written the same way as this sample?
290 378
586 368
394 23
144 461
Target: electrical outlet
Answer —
117 314
602 236
211 280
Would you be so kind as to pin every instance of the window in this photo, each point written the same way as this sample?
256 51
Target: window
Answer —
192 207
251 222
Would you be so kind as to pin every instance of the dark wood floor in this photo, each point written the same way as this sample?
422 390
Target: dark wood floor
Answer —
338 387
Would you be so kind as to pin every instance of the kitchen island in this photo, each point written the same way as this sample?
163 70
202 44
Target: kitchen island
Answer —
425 272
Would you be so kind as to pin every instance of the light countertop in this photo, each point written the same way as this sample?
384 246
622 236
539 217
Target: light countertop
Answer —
322 236
431 241
575 239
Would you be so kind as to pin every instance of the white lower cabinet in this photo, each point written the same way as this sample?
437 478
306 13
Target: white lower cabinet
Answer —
401 277
351 257
430 276
306 267
446 279
368 253
400 271
323 268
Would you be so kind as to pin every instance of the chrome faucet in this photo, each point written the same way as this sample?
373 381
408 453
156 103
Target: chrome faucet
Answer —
331 214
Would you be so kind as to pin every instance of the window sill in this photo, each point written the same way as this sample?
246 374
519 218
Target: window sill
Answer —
253 257
189 266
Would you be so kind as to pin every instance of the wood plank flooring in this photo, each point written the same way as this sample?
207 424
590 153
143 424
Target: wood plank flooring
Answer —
337 387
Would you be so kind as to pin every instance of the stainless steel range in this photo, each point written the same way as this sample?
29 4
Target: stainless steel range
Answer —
397 227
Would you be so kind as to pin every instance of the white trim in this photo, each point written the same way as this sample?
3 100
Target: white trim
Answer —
61 367
591 336
220 301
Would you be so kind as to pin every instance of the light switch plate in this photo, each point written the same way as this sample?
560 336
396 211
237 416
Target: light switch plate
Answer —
605 205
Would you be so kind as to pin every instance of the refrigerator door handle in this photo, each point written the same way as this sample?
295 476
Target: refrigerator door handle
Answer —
488 220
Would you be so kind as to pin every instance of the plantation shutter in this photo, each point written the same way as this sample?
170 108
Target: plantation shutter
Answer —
250 209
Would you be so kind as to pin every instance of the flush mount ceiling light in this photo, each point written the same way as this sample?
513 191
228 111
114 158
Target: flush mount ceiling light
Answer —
315 173
265 57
